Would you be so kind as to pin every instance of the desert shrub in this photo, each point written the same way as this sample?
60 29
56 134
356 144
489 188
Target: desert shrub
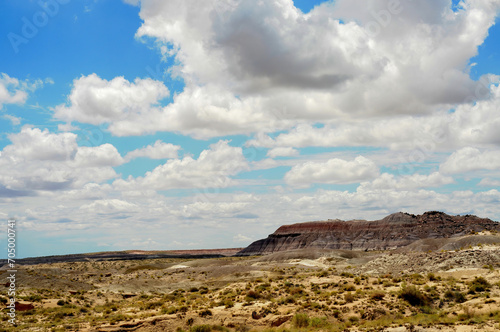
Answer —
323 273
456 296
228 304
253 295
32 298
347 275
173 310
479 284
318 322
349 298
377 296
205 313
201 328
417 279
118 318
153 305
61 302
432 277
296 291
413 296
193 289
349 288
301 320
286 300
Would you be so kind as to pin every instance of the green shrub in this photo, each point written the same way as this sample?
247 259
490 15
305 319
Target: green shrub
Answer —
456 296
301 320
414 296
318 322
479 284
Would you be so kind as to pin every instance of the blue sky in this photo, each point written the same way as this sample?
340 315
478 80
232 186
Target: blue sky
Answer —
168 125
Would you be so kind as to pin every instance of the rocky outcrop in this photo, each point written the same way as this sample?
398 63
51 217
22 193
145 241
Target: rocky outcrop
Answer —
393 231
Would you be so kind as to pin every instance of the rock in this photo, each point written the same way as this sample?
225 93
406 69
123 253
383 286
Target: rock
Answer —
396 230
255 315
24 306
280 320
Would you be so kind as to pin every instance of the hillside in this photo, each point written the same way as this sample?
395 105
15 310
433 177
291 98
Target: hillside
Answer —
394 231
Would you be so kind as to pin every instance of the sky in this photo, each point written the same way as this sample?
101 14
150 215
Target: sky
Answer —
183 124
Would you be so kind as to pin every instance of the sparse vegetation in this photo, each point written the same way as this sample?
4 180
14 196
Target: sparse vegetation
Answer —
247 293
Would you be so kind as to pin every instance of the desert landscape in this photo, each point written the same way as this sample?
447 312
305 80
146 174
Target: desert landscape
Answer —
250 165
448 283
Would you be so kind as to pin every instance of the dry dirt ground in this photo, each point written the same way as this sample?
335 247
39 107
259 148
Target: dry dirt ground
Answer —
420 288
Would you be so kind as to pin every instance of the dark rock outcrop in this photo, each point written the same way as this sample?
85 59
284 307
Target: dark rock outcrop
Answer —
396 230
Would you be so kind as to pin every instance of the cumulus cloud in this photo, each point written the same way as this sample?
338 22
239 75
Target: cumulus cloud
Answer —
41 160
471 159
204 209
333 171
213 168
109 206
469 124
266 66
35 144
11 91
488 182
99 156
282 152
96 101
388 181
159 150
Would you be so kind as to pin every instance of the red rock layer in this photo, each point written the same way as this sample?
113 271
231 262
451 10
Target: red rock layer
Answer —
395 230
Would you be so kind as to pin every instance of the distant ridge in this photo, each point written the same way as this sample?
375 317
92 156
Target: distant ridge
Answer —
127 255
395 230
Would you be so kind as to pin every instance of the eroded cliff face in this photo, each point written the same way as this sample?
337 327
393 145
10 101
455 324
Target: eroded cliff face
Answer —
396 230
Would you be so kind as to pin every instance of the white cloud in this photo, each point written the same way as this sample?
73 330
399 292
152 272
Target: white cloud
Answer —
204 209
41 160
99 156
11 91
470 124
282 152
213 168
96 101
241 238
35 144
13 119
266 66
408 182
15 91
487 182
159 150
334 171
110 206
471 159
